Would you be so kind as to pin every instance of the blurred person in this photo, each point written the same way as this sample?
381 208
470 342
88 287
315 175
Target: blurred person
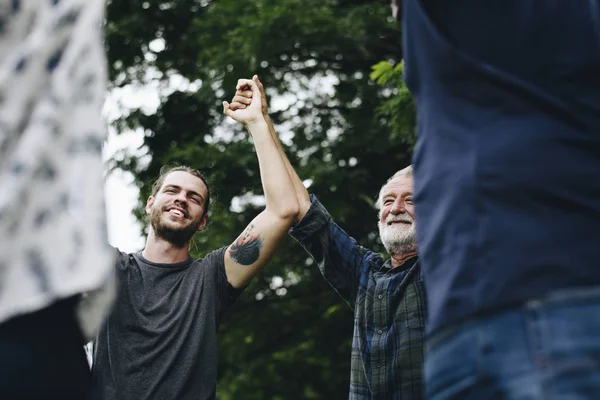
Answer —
507 194
53 239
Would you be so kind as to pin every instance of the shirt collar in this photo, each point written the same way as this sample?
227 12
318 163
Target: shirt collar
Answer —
387 266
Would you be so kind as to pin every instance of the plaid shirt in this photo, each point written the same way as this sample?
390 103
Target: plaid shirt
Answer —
388 303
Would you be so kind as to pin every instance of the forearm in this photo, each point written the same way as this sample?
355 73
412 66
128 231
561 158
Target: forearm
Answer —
299 188
337 255
278 188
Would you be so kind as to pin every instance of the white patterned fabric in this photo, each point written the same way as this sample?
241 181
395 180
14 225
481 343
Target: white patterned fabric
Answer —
53 237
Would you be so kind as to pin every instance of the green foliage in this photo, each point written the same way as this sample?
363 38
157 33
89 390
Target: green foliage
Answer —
398 109
345 132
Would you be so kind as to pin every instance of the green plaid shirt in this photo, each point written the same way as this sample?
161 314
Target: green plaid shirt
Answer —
388 303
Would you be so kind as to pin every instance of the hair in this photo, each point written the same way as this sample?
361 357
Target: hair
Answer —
166 170
408 171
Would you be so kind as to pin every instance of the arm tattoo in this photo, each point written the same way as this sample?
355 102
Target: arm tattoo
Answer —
246 249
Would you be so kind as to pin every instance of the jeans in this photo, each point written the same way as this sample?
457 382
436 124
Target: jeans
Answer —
546 349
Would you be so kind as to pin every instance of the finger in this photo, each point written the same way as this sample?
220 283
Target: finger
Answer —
242 99
236 106
244 93
242 82
226 110
259 84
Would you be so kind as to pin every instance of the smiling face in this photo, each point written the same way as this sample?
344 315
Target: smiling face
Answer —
176 211
397 216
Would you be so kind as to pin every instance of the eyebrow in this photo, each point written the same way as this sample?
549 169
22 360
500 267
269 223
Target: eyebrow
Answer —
391 194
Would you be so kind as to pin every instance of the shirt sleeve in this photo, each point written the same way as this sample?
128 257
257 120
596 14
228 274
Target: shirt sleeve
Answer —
341 260
227 293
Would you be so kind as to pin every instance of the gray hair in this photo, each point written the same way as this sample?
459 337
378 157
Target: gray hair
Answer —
408 171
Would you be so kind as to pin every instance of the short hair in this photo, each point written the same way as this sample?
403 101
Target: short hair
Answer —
166 170
408 171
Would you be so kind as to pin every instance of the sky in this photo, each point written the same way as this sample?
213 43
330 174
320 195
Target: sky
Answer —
124 231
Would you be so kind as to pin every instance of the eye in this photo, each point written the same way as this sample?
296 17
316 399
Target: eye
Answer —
387 202
170 190
196 200
409 200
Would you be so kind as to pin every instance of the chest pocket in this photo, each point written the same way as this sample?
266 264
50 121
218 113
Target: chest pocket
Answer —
410 308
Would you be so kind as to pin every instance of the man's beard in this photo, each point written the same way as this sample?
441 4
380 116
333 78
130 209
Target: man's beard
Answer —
398 241
177 236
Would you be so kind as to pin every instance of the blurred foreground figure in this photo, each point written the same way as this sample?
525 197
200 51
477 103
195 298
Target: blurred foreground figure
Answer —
53 241
507 194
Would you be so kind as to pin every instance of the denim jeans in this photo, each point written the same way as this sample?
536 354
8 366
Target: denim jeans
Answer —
545 350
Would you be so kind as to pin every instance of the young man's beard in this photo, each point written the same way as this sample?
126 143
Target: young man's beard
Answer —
179 236
398 241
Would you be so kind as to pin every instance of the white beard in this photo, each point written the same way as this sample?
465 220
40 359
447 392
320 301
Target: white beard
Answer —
398 239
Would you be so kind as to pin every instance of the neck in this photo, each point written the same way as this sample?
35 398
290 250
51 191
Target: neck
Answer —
399 259
160 251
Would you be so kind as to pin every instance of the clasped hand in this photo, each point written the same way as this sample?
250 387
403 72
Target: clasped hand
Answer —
248 102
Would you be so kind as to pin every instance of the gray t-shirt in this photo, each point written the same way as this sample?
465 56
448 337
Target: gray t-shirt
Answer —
159 342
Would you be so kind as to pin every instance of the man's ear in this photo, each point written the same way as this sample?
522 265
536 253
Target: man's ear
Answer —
149 204
203 222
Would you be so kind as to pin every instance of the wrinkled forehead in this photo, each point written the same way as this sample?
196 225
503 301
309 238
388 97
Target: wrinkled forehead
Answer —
399 186
186 181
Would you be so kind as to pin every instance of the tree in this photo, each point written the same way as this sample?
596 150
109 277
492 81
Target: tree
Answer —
289 335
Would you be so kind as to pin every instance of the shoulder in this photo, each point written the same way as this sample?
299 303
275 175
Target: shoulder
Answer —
375 260
214 258
124 260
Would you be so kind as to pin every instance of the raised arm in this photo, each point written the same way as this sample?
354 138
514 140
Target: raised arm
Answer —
340 259
257 244
242 99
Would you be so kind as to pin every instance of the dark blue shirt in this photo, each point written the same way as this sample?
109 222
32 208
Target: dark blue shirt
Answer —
507 161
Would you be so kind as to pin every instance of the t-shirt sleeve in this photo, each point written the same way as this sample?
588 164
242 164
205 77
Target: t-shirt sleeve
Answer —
227 294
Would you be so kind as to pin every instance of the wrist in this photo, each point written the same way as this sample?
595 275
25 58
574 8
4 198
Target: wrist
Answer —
257 123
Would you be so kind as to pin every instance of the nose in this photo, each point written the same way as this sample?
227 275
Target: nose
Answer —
398 207
181 198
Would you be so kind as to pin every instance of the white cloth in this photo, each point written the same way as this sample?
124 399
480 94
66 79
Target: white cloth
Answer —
53 237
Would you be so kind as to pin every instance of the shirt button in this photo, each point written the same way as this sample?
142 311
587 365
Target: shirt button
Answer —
378 365
380 331
380 297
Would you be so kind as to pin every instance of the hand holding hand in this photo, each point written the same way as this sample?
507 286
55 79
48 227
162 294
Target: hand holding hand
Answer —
243 95
246 106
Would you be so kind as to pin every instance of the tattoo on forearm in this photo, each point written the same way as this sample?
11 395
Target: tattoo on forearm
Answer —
246 249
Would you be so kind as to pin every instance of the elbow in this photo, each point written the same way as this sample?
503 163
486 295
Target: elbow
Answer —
289 210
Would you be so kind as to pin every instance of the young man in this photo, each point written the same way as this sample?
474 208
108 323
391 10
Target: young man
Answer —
160 341
53 240
387 296
507 189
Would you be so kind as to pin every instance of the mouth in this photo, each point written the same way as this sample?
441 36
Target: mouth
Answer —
399 222
177 212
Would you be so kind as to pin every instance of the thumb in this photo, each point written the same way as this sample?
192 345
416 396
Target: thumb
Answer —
259 84
226 109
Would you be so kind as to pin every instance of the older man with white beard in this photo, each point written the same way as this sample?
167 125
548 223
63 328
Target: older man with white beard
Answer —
388 297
